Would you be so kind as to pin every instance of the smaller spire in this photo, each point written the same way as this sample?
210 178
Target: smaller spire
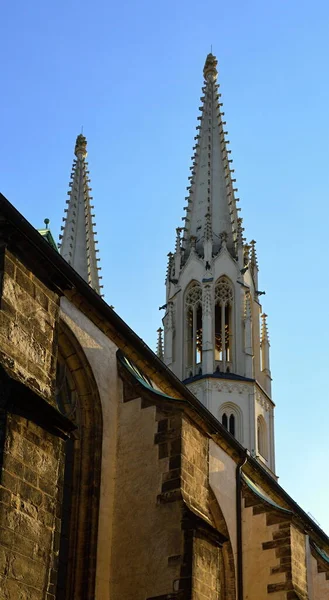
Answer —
247 306
78 237
169 265
265 336
254 263
160 343
239 233
246 254
253 255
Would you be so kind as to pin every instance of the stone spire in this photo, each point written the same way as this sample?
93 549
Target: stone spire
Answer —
78 243
211 192
211 327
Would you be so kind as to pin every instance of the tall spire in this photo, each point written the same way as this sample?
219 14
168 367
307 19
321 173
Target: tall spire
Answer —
211 198
211 326
78 243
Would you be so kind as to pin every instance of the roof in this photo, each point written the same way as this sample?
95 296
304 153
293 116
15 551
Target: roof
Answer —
47 235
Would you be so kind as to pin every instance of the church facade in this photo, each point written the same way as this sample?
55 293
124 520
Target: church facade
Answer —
127 475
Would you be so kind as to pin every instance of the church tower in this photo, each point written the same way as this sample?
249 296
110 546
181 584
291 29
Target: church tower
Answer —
215 334
77 240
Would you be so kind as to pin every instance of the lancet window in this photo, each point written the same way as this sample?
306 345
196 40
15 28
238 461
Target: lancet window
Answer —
193 312
229 422
224 323
262 437
230 416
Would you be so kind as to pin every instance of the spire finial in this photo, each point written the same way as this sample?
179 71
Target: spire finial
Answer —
160 343
46 222
210 68
81 146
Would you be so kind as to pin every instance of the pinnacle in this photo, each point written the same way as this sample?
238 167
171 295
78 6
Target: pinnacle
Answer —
160 343
265 336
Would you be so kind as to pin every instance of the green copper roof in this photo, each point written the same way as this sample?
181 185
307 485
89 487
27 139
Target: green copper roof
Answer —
141 378
322 553
46 233
262 495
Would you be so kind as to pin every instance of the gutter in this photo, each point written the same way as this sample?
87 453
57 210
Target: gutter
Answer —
239 569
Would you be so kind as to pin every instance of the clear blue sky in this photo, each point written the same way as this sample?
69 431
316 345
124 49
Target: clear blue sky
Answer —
131 73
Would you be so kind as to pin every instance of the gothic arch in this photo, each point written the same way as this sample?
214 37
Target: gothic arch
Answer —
228 591
193 328
262 437
78 549
224 323
229 410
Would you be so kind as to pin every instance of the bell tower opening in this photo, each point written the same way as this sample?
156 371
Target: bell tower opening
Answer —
224 324
193 314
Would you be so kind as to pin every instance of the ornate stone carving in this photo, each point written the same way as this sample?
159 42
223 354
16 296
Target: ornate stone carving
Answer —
223 292
194 295
207 304
230 388
263 401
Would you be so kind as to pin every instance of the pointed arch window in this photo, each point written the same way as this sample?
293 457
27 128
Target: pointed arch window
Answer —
193 314
224 323
225 421
262 440
231 419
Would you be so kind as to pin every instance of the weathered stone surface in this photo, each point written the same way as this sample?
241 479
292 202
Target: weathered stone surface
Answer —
30 497
28 323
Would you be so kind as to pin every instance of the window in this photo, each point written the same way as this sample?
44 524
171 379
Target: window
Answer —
193 308
232 425
231 419
262 437
223 321
229 423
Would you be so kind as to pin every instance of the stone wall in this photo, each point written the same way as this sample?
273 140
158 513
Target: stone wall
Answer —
274 551
164 534
147 537
31 441
208 576
28 317
30 494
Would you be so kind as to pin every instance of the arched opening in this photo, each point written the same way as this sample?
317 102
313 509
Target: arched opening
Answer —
224 323
262 441
77 397
193 320
232 424
231 418
228 590
225 421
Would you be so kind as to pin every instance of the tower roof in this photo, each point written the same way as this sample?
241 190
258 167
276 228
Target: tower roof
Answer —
78 243
211 193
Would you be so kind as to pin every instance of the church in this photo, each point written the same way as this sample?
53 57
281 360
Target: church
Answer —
132 475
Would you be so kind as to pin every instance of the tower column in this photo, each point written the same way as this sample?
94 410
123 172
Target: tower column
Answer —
207 331
248 338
